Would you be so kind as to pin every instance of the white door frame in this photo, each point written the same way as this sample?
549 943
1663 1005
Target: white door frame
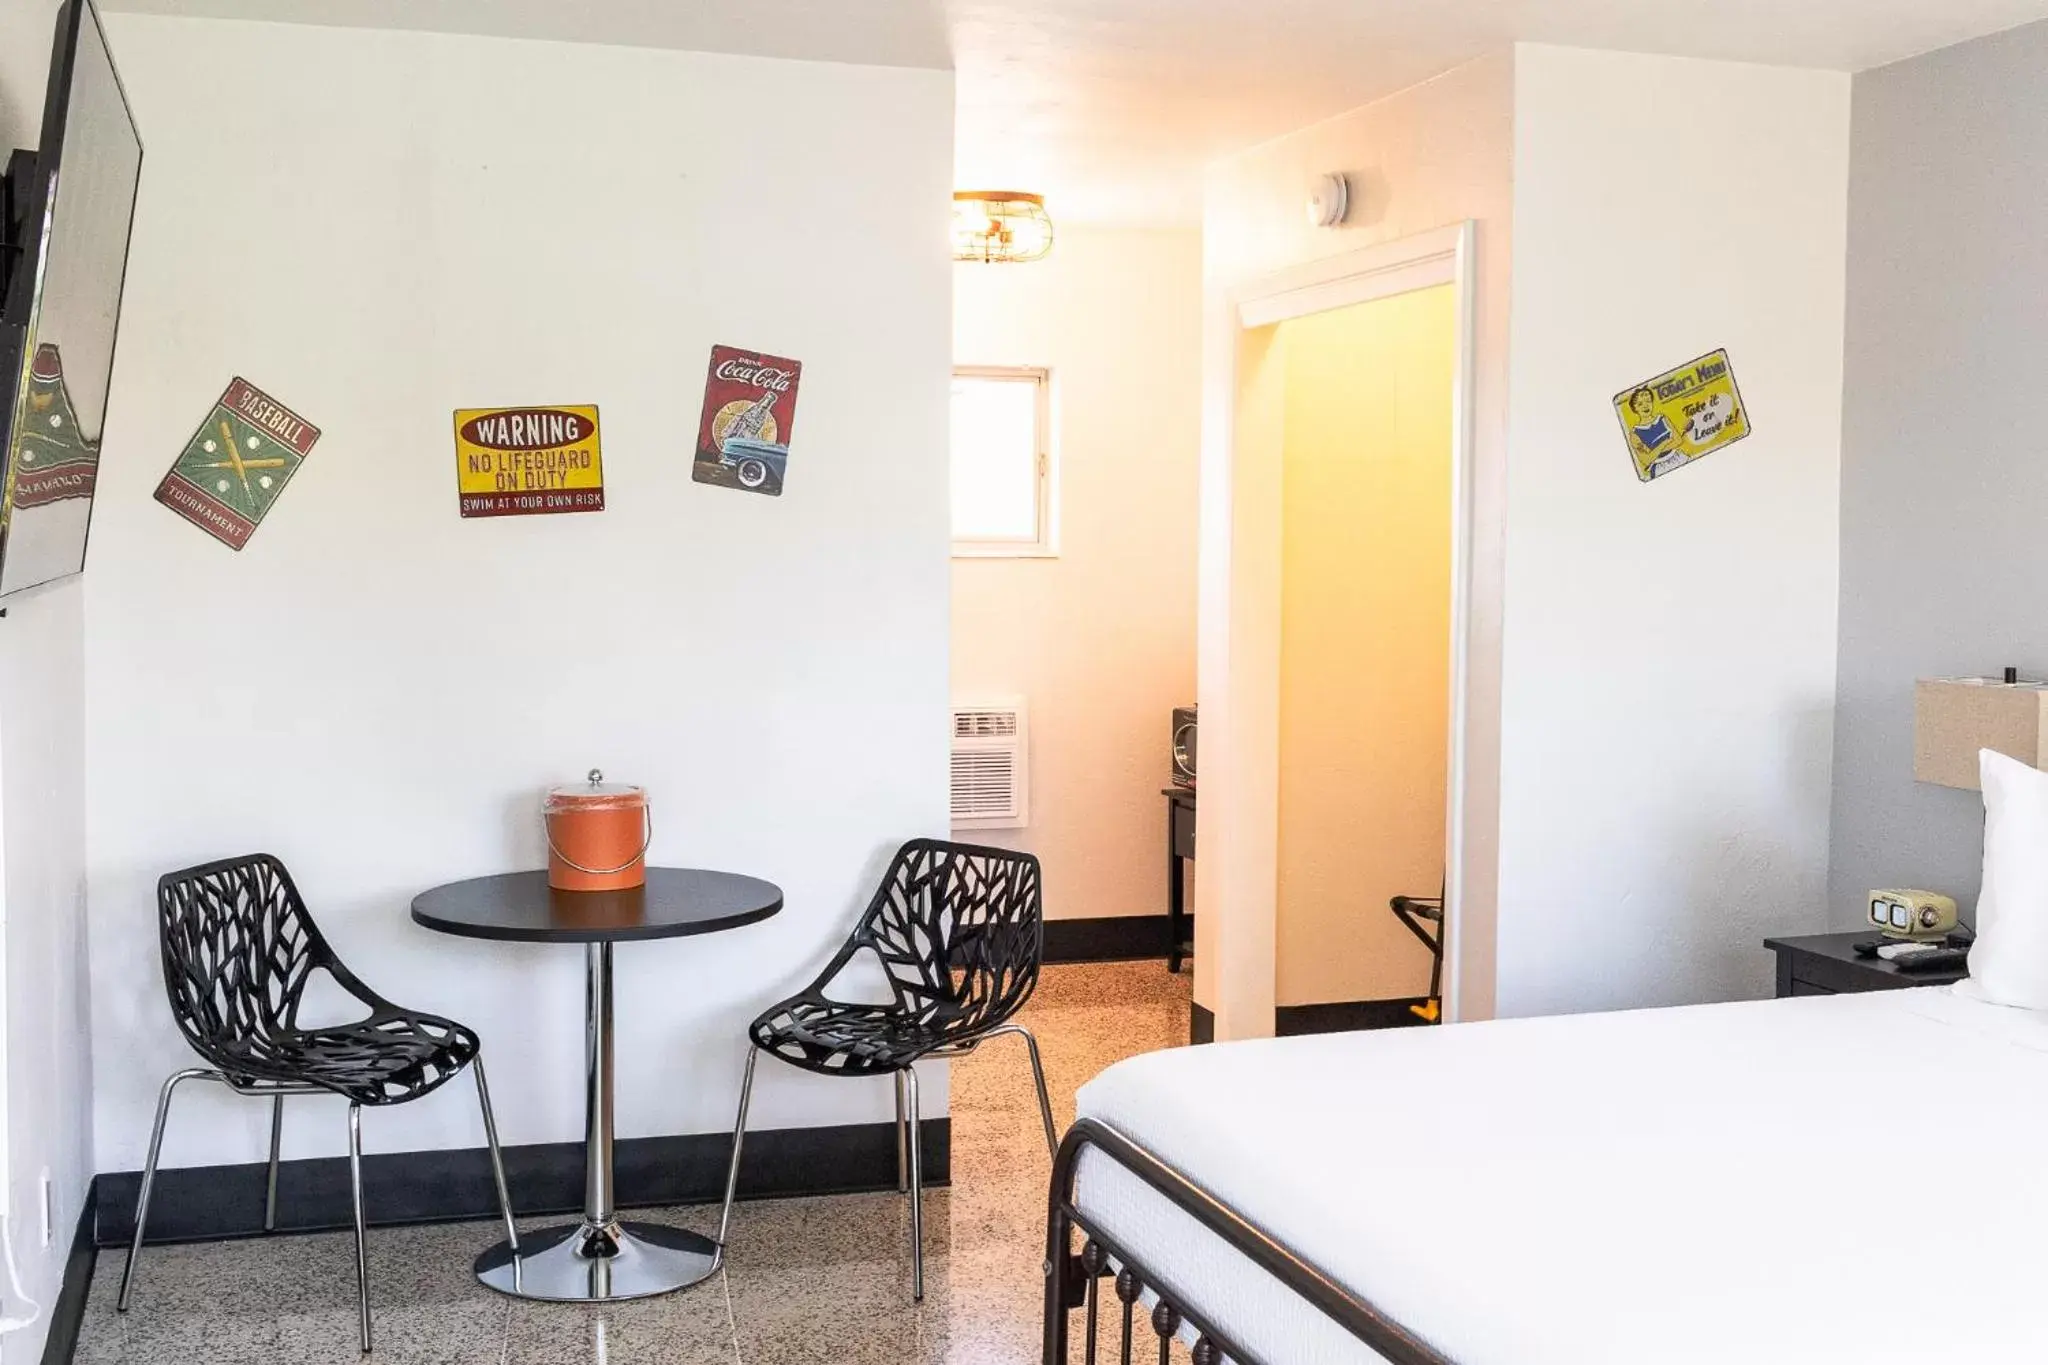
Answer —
1442 256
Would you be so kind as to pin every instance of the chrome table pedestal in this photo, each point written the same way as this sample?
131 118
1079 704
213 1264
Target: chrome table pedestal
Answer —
599 1259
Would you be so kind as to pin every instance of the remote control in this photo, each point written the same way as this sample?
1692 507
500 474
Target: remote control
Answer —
1933 960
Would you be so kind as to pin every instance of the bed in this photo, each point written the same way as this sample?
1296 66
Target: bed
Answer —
1857 1178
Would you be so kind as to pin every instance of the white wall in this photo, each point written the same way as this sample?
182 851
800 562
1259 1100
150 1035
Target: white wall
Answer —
42 818
42 844
1429 157
1669 650
1101 640
1945 330
378 228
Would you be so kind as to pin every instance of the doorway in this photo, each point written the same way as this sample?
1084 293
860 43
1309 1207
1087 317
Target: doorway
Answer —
1274 739
1365 634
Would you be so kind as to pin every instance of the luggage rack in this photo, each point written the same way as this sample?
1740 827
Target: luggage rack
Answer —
1424 918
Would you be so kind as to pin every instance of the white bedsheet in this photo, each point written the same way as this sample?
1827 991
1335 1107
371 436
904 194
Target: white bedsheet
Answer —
1661 1186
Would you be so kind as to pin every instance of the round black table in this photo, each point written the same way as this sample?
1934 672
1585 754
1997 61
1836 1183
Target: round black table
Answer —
601 1258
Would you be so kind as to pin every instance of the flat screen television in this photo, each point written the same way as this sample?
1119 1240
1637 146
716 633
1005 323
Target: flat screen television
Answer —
65 213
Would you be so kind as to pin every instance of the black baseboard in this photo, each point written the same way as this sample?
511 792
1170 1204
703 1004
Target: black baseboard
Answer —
1117 938
1291 1021
67 1314
212 1203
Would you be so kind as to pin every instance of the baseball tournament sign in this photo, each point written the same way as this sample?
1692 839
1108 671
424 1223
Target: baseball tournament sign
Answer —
54 459
749 409
237 463
1681 415
522 462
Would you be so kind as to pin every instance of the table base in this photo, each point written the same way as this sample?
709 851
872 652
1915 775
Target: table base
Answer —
556 1265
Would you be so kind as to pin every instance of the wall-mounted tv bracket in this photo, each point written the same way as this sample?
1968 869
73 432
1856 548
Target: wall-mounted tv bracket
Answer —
15 198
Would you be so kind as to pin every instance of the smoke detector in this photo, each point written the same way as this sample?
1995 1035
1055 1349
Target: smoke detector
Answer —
1329 198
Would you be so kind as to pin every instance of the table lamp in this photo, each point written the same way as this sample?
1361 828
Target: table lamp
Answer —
1953 718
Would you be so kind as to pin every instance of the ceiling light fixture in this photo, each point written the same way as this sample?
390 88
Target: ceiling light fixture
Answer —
1000 225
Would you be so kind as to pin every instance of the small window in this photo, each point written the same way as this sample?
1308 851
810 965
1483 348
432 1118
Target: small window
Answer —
1002 462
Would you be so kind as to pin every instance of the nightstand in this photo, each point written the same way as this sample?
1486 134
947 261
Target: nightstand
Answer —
1825 964
1180 845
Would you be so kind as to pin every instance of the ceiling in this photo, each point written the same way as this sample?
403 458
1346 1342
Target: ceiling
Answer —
1110 107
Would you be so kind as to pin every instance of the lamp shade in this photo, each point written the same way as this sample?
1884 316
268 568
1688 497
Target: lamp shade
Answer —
1000 225
1955 717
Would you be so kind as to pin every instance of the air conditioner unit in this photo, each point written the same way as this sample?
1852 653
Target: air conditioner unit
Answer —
991 769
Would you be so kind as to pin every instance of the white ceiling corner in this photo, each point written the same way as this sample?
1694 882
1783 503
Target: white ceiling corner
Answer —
1111 107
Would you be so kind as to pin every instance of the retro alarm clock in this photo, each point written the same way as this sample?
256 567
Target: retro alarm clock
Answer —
1912 914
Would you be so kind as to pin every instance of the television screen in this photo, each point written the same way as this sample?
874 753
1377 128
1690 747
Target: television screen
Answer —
72 203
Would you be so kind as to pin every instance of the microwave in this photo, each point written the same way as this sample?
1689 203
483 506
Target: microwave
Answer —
1184 746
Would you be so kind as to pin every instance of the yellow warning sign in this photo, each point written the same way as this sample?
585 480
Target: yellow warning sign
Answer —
1682 414
512 462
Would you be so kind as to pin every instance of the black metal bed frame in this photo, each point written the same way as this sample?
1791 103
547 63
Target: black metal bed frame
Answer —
1073 1279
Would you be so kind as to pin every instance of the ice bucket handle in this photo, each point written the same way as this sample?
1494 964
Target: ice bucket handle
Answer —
646 842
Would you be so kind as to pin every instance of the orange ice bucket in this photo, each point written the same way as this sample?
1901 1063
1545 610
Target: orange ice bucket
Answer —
598 834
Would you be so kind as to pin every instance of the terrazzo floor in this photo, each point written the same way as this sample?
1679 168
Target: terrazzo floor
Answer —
807 1281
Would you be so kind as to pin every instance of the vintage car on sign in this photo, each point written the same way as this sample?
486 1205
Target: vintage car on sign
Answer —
758 465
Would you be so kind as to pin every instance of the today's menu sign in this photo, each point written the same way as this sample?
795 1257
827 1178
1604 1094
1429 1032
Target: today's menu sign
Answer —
1681 415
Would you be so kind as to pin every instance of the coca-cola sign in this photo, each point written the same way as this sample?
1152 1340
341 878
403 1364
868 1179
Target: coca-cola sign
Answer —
743 432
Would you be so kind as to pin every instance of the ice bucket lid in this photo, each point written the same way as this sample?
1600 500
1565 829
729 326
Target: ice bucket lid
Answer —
596 794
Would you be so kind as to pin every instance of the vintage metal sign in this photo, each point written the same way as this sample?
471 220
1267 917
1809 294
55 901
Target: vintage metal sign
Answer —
519 462
54 459
231 472
1681 415
749 411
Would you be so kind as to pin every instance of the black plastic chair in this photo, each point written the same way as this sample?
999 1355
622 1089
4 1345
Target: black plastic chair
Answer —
238 951
960 930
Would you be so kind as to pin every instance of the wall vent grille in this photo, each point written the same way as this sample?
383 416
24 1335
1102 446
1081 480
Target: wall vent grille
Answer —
990 765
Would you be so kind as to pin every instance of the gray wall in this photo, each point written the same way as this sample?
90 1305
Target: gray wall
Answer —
1945 438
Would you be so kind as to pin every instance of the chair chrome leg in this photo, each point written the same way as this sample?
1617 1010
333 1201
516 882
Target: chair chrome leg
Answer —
483 1099
276 1140
739 1134
355 1180
156 1143
909 1075
1052 1139
902 1141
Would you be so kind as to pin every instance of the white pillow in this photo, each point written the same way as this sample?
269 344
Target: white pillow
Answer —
2009 964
